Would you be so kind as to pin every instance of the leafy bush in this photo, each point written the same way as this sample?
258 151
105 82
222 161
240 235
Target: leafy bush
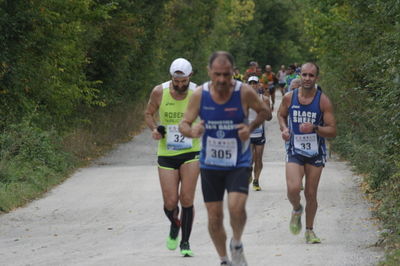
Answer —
31 161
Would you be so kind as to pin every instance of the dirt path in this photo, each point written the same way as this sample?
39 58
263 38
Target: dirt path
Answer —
111 214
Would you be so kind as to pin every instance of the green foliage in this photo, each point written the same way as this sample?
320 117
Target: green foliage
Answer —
44 57
31 161
357 45
78 65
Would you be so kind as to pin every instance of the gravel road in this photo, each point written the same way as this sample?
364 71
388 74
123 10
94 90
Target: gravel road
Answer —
111 214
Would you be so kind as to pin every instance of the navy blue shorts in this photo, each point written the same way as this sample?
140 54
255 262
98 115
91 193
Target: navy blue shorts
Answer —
316 161
215 182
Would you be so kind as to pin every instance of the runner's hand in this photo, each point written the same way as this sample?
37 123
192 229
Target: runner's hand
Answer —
306 127
198 129
285 134
156 135
243 132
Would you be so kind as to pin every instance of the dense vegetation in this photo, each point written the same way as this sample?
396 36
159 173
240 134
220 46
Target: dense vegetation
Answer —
74 75
357 44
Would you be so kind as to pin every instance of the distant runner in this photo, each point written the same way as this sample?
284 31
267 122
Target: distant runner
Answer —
257 136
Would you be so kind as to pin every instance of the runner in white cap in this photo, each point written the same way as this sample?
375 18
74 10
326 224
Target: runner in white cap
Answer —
178 165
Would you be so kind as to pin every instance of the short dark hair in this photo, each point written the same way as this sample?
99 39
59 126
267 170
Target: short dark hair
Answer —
292 67
217 54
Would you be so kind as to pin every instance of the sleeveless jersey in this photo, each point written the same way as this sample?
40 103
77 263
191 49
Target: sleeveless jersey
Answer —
260 131
221 147
306 144
171 113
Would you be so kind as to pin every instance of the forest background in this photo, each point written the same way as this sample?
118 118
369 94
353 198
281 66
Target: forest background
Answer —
75 76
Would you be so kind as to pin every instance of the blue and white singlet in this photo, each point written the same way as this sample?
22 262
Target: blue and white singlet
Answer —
306 144
221 147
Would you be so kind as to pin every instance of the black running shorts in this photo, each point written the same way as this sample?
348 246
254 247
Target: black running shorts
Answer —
174 162
258 141
215 182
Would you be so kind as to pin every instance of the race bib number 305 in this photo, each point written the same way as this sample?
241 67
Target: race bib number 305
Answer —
175 140
307 144
221 152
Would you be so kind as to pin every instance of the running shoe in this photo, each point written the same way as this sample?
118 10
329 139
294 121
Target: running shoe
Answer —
172 239
295 221
237 253
185 249
226 263
256 185
311 238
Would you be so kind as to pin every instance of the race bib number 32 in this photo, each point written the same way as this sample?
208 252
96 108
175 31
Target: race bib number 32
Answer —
175 140
221 152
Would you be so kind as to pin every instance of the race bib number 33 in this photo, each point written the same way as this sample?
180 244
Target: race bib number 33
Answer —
175 140
307 143
221 152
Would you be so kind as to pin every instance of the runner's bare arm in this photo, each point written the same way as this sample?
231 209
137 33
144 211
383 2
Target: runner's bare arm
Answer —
268 104
186 126
151 109
283 114
328 130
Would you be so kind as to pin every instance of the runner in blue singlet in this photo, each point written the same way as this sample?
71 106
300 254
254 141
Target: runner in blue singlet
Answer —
306 119
225 159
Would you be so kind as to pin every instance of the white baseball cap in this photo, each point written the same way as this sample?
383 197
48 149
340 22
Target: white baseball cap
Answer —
252 78
180 65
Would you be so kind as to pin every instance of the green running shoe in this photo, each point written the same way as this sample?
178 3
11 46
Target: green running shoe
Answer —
185 249
172 243
311 238
256 185
295 221
172 239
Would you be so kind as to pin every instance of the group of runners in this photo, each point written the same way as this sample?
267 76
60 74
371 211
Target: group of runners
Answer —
216 129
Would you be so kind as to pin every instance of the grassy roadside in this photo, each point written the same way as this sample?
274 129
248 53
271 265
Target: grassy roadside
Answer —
385 200
32 160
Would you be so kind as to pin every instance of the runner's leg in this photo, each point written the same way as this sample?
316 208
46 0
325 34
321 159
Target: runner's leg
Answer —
216 226
189 173
258 163
294 174
313 175
237 212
